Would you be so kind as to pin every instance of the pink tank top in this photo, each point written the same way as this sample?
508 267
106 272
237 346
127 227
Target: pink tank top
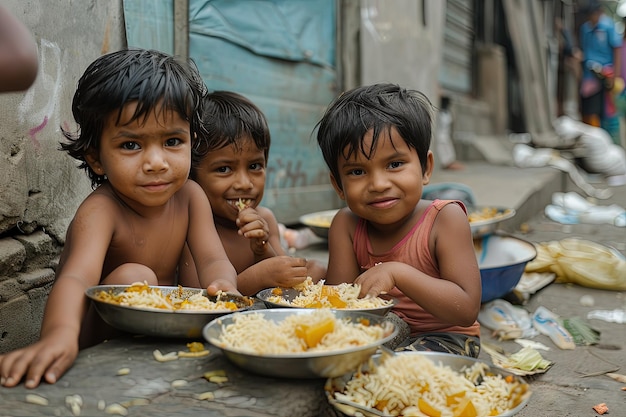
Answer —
412 249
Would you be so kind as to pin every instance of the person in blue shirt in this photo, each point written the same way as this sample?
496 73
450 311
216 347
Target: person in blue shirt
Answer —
600 44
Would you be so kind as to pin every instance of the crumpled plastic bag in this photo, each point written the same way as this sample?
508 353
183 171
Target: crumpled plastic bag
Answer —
581 262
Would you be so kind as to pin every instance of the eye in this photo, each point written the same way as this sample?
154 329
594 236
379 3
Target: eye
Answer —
173 142
356 172
223 169
395 164
257 166
131 146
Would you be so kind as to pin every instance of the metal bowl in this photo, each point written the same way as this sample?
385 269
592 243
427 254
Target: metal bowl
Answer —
290 293
319 222
455 362
300 365
487 226
501 260
158 322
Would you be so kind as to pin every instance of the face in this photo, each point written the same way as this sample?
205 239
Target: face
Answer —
232 173
386 188
145 161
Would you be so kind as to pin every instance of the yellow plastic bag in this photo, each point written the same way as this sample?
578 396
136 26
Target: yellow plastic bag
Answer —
581 262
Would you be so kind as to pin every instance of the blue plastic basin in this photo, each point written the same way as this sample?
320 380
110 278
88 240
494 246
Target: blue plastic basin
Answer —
501 260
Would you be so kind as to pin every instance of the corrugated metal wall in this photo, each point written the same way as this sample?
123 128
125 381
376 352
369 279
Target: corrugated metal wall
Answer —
456 67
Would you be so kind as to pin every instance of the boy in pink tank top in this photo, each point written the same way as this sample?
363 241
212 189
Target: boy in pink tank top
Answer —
376 142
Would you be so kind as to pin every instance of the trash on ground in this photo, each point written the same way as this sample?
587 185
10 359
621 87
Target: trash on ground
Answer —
506 320
614 316
526 361
601 408
617 377
581 262
531 282
582 333
572 208
548 323
587 300
531 344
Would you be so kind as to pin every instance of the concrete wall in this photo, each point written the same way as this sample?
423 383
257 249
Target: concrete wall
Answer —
40 186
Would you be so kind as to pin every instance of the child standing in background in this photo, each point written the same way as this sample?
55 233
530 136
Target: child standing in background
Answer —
232 173
375 140
138 113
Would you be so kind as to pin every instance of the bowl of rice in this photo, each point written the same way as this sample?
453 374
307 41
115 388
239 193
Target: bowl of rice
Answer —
427 383
319 222
484 220
299 343
162 311
342 297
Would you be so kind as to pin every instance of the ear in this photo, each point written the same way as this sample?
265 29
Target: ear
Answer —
93 160
338 189
428 169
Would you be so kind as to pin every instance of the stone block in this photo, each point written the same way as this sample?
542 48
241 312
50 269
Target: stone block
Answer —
12 257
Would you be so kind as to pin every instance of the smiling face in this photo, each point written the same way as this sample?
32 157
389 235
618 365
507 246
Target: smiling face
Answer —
147 160
231 173
385 188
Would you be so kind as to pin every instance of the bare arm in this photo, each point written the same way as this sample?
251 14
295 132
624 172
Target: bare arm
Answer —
272 266
18 54
342 263
80 268
215 271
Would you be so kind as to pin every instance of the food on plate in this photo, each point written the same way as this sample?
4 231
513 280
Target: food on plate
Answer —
297 333
320 221
141 295
412 384
487 213
342 296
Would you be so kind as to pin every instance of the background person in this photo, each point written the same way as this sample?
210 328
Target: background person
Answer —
19 60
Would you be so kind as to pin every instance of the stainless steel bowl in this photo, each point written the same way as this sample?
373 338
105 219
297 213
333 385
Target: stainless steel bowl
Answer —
290 293
157 322
484 227
319 222
455 362
300 365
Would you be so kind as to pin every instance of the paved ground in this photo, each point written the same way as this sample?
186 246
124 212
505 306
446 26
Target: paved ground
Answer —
567 389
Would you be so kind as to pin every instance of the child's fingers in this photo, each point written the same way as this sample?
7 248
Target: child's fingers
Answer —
13 367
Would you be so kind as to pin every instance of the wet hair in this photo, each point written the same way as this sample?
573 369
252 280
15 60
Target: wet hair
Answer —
227 117
377 107
157 81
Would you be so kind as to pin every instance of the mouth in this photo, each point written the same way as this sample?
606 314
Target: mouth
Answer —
383 202
241 203
156 186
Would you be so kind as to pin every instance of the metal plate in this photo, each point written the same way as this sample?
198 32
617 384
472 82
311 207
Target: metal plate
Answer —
319 222
487 226
290 293
158 322
455 362
300 365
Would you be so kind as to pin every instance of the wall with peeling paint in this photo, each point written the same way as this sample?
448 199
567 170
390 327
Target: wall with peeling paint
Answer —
40 186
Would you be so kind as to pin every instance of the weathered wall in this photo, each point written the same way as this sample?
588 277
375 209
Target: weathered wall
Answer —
40 186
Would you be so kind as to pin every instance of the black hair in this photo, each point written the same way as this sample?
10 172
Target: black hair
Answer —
157 81
227 117
376 107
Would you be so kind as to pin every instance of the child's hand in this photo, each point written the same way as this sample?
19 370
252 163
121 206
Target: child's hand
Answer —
222 285
375 281
283 271
48 358
254 227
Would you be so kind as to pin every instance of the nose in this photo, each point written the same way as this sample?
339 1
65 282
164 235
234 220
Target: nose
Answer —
155 159
378 181
242 181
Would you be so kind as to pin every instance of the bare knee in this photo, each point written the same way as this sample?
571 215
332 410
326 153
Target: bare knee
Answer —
129 273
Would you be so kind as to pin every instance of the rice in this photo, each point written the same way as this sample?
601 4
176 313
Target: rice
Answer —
253 333
342 296
413 385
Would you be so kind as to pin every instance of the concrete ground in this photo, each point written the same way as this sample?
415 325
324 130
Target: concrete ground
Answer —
574 384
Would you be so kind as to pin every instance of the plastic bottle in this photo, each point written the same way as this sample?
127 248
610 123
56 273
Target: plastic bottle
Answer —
613 316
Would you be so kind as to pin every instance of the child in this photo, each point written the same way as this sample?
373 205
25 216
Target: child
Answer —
19 59
375 141
232 174
138 113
